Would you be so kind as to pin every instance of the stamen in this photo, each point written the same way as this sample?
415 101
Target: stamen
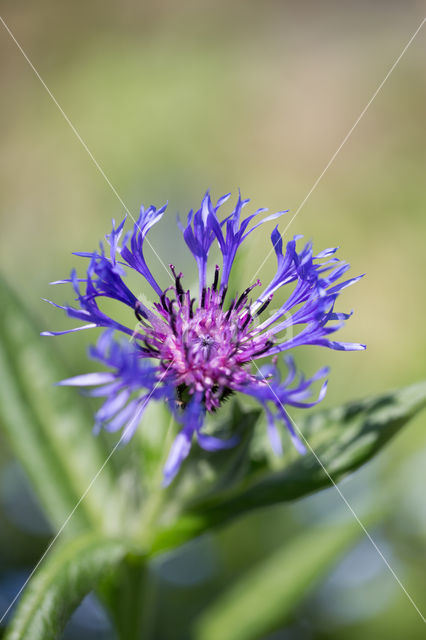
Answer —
264 306
179 289
164 301
228 313
150 347
246 321
222 299
203 298
216 278
138 312
243 296
268 344
245 293
172 318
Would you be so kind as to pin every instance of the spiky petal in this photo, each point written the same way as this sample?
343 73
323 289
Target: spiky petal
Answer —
192 353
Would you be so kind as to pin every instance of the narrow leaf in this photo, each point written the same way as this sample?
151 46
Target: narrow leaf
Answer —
48 431
264 598
342 439
68 574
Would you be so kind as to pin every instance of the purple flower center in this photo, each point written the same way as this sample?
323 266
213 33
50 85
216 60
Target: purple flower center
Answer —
208 349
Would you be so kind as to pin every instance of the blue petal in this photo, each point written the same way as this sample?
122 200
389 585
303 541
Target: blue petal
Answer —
193 419
210 443
274 436
179 451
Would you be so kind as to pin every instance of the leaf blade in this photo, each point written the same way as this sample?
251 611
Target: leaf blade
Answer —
343 439
67 575
47 429
265 596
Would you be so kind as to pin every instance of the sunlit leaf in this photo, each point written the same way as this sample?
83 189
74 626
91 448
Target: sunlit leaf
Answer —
342 439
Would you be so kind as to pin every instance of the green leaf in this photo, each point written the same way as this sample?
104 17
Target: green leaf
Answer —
66 576
129 595
45 425
343 439
208 473
265 597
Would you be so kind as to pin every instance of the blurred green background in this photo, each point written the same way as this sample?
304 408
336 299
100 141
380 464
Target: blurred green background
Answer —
172 99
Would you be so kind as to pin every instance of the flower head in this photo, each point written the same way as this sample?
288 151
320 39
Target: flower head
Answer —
193 352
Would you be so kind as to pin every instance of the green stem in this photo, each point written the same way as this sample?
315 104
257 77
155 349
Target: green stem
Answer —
130 593
153 509
127 594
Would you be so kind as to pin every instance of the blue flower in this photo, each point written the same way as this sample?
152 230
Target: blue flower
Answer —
192 353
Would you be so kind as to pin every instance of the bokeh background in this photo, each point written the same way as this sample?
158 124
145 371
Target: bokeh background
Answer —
172 99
